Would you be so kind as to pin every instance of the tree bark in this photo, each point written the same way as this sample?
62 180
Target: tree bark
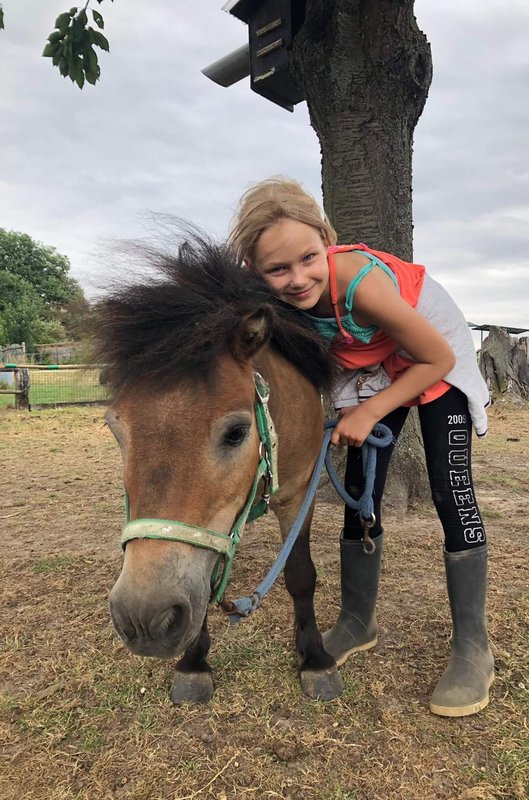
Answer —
504 362
365 68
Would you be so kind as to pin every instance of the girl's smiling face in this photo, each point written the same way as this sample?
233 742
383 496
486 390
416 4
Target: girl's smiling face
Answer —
292 258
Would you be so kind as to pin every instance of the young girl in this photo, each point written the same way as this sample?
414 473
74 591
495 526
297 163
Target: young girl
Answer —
400 341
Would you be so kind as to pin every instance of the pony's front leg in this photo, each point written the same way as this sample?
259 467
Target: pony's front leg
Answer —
318 672
192 682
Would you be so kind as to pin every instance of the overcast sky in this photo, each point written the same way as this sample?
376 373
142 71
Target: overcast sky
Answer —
78 169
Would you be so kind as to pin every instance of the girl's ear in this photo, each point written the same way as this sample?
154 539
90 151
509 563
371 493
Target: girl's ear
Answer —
248 265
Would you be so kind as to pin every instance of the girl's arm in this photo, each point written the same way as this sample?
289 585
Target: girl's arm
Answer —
378 303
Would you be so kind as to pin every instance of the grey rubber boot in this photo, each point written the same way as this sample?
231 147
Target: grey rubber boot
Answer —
464 685
356 627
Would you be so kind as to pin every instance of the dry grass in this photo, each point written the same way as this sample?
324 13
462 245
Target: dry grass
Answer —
81 719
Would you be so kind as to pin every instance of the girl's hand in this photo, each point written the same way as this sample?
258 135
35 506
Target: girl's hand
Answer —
354 425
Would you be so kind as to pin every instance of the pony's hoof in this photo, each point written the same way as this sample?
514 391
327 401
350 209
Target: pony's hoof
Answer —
322 684
191 687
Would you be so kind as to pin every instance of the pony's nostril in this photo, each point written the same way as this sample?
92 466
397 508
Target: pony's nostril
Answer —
174 621
122 623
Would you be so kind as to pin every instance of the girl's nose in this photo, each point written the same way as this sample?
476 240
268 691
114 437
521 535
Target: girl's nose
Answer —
298 279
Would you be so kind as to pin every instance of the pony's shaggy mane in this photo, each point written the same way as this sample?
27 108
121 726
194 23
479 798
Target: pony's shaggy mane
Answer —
175 324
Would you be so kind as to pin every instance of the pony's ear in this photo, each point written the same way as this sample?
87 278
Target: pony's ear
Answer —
252 333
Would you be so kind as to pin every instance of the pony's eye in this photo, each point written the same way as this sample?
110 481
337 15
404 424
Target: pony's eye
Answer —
235 436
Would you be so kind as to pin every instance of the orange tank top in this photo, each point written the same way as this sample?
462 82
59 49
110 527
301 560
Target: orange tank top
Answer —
352 352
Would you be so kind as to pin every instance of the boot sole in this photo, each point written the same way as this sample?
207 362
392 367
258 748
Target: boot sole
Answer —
462 711
357 649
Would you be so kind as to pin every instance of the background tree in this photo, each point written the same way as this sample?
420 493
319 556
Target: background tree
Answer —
20 308
36 290
75 317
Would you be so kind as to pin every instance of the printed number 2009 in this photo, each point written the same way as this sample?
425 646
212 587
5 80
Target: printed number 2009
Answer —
457 419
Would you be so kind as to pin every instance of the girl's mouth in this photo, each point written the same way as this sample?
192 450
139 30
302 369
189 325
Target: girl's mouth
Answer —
301 295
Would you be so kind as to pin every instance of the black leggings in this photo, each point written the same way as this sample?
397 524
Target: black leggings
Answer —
447 434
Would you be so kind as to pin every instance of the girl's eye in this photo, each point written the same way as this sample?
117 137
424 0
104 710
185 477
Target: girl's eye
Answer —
276 270
309 256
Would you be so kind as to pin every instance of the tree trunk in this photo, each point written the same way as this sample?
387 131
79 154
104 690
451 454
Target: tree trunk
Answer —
366 68
504 362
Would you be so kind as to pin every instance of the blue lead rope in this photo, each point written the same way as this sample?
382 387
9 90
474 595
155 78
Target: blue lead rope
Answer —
381 437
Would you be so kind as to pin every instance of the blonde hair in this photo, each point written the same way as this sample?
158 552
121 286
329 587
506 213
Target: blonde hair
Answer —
266 203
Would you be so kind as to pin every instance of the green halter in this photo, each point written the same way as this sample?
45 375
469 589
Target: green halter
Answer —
225 544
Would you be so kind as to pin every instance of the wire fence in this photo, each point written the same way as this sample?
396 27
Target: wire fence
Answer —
30 386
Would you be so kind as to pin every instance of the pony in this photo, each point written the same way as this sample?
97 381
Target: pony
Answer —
182 349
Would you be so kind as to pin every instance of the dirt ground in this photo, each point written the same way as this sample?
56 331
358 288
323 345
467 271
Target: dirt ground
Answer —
82 719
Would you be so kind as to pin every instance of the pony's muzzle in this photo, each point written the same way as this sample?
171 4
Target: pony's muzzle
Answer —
162 633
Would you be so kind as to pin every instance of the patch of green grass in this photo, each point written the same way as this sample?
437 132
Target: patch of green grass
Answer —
511 482
60 724
260 655
105 506
65 386
91 739
147 720
46 565
191 766
350 794
51 387
7 704
125 694
489 514
49 720
513 769
50 395
10 644
7 400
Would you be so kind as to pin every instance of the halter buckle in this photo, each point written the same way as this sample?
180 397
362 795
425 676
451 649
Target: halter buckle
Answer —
261 386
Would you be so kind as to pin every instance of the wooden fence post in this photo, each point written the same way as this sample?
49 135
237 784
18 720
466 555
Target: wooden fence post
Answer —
22 389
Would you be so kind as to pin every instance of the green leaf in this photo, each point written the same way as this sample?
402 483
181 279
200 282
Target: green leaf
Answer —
99 40
83 19
91 75
55 36
62 22
98 19
76 71
50 49
78 30
2 19
79 79
89 58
